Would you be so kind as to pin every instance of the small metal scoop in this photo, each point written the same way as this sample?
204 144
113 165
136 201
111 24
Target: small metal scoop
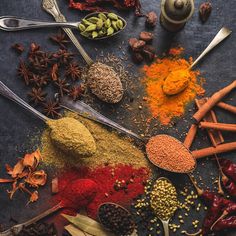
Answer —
165 223
13 23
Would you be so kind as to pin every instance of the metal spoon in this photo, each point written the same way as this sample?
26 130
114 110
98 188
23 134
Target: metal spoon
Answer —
165 223
12 23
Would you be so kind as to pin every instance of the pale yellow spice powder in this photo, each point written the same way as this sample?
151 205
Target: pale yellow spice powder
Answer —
111 149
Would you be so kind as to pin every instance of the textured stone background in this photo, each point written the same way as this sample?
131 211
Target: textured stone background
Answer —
18 127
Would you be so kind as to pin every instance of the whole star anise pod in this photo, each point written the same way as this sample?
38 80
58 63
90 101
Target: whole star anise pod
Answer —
51 108
63 56
39 80
24 72
76 91
60 38
37 95
73 71
63 86
205 11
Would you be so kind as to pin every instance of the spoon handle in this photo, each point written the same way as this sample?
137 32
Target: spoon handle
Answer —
12 23
165 224
221 35
6 92
52 8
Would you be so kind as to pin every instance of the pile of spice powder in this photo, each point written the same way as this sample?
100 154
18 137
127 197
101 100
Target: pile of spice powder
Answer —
111 149
164 107
118 184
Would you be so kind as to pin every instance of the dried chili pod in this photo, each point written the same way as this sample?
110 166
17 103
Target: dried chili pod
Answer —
226 223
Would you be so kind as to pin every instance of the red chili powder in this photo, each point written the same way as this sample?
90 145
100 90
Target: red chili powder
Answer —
120 184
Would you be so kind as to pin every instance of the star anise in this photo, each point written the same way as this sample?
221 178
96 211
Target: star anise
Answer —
51 109
63 86
63 56
39 80
37 95
60 38
46 59
73 71
76 91
24 72
54 72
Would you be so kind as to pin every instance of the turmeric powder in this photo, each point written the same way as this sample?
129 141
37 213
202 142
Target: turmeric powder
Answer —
161 105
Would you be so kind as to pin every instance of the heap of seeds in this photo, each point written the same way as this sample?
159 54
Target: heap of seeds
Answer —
164 199
105 83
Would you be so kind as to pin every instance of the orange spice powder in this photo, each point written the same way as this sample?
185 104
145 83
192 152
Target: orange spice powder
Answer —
162 106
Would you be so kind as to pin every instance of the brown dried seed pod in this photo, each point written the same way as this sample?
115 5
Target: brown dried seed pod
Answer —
146 36
151 19
205 11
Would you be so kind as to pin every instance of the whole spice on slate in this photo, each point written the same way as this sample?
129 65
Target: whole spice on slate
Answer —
60 38
24 72
24 172
101 25
52 108
105 179
116 218
164 107
18 47
37 95
146 36
90 5
121 151
38 229
54 72
205 11
73 71
76 91
105 83
164 200
170 154
72 137
63 86
151 19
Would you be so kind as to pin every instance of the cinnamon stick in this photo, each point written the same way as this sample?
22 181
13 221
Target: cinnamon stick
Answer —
212 101
215 135
227 107
218 126
227 147
190 136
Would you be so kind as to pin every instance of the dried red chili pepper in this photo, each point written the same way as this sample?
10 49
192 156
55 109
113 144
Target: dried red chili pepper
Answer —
92 5
228 223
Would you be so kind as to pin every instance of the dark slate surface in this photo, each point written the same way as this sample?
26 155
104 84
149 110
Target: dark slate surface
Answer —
18 128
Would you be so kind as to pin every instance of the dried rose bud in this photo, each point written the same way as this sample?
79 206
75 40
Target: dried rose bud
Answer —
132 41
205 11
146 36
18 47
137 57
148 52
138 45
151 19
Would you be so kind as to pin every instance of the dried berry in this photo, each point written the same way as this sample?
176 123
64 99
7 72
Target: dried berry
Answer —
151 19
146 36
205 11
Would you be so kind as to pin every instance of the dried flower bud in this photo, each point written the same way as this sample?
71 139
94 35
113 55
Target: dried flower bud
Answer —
146 36
205 11
132 41
151 19
138 57
138 45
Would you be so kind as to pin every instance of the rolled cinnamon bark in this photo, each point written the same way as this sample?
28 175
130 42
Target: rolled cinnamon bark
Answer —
227 107
212 101
190 136
227 147
218 126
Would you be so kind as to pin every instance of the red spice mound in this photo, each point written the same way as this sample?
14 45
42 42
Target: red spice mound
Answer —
169 153
120 184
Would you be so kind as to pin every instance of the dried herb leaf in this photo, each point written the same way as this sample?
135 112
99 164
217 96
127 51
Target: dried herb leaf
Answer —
37 178
75 231
88 225
18 168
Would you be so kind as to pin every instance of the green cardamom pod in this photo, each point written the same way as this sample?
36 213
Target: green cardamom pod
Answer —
101 33
120 24
110 31
92 19
86 22
112 16
91 28
94 34
102 16
99 24
82 27
114 25
86 34
108 23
